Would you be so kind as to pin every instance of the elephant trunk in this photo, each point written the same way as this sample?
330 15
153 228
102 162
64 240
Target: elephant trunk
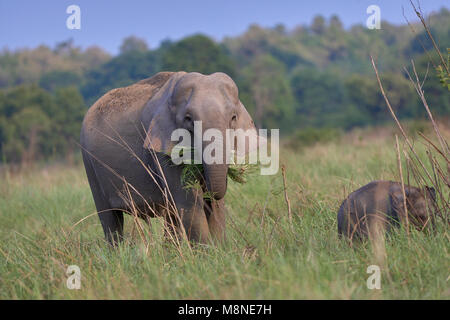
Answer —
215 173
216 179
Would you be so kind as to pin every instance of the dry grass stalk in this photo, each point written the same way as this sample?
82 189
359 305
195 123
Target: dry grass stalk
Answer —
410 145
436 47
418 86
286 197
399 163
414 164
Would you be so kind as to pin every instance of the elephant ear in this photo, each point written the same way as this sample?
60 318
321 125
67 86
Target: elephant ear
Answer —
431 193
397 198
160 117
246 136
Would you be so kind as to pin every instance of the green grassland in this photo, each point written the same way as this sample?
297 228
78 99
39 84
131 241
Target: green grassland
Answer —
48 222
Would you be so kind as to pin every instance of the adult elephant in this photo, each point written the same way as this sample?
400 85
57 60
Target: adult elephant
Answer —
126 139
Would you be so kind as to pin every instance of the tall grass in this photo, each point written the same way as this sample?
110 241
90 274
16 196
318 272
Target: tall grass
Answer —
48 222
438 152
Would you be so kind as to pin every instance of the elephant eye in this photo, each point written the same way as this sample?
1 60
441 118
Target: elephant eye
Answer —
233 121
188 121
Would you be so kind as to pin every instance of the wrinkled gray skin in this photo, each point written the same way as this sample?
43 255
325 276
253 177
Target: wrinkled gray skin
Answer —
379 205
129 123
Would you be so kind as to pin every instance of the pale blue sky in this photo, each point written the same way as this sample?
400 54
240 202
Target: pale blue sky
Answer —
105 22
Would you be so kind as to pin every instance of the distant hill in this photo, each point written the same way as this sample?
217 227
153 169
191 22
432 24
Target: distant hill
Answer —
316 75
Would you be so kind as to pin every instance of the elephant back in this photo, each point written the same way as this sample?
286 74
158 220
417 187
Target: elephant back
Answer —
121 100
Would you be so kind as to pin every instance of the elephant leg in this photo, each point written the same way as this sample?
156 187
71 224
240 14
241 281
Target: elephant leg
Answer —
111 220
193 217
112 223
215 211
189 205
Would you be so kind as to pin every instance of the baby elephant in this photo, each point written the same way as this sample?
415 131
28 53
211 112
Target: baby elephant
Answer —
380 204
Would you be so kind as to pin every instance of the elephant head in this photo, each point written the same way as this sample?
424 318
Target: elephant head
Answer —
190 97
420 202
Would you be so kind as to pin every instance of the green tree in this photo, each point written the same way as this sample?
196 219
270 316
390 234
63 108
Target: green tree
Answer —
35 124
364 93
335 23
133 43
53 80
318 25
120 71
197 53
321 98
438 97
271 97
23 120
66 118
